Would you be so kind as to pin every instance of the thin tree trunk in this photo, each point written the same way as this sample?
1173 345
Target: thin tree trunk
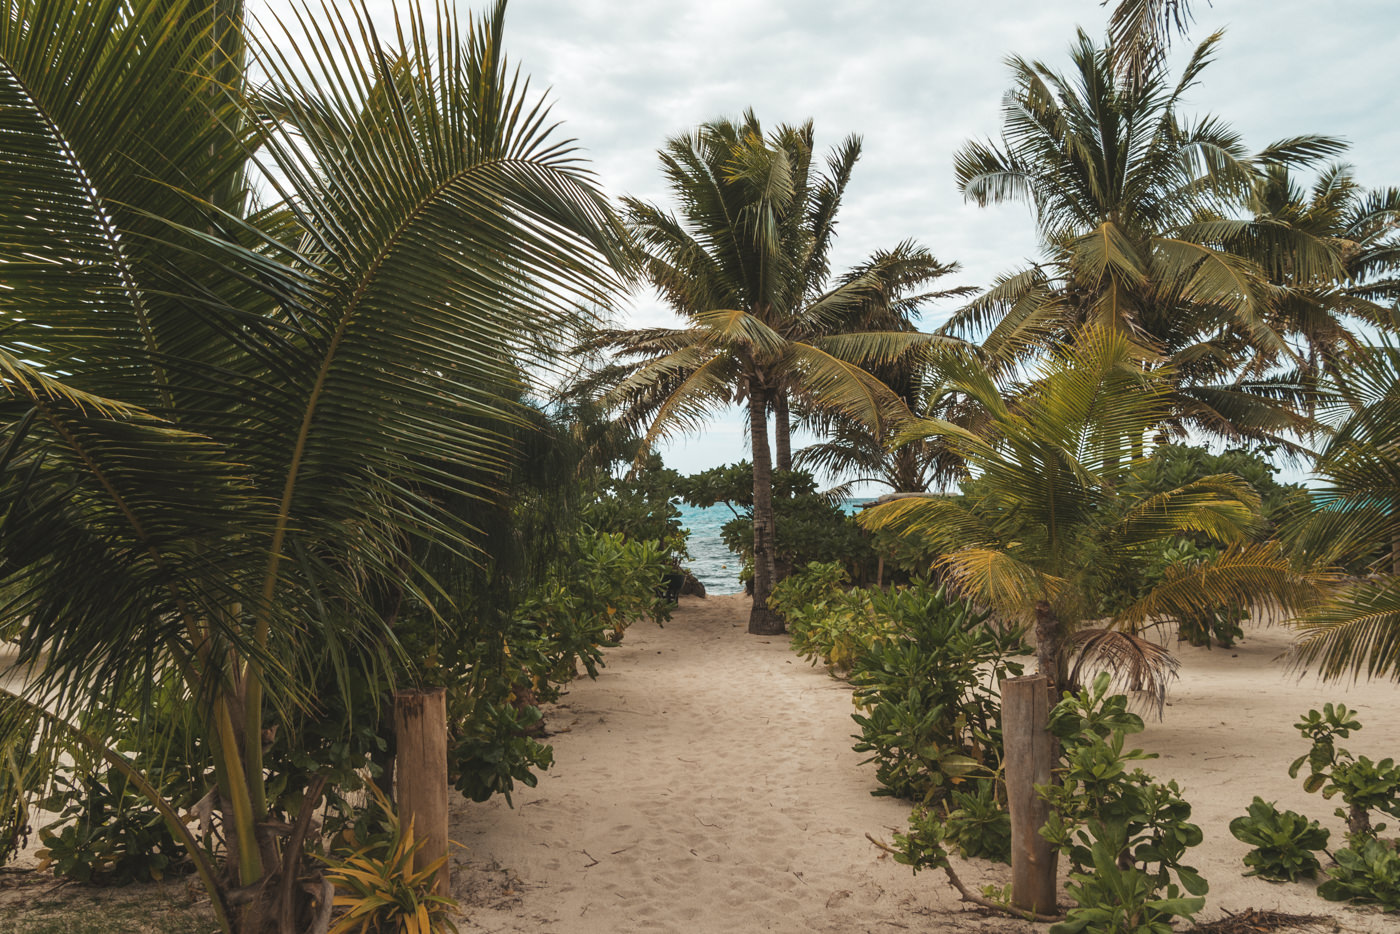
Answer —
782 431
762 620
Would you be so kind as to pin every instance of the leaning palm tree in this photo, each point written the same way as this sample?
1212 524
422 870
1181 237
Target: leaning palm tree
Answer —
744 266
1135 208
1043 531
243 330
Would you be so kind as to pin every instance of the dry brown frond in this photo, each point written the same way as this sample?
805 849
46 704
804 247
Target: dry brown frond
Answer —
1135 664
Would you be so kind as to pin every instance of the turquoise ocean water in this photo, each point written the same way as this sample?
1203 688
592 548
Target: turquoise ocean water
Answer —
716 566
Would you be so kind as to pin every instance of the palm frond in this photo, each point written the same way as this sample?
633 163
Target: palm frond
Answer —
1356 633
1135 665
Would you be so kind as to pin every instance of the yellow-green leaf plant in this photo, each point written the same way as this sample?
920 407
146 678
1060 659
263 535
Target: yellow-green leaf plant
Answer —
1042 527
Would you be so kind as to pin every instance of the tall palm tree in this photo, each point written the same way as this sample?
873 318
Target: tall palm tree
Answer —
1355 521
745 266
243 328
1360 227
1135 209
855 448
1044 530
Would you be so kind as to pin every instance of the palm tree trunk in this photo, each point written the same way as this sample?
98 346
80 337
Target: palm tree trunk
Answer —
762 620
782 431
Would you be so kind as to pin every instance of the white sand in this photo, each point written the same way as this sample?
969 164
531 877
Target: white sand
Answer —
706 783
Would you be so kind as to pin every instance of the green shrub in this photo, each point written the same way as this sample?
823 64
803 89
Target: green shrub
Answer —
106 833
494 748
1217 624
1364 786
640 507
377 887
1125 835
828 623
977 822
1283 841
1113 899
1367 872
931 712
1103 814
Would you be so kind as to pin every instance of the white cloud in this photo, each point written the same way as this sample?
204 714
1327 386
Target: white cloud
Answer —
917 80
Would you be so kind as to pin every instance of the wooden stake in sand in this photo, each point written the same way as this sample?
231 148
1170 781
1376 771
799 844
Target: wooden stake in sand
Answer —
1029 757
420 730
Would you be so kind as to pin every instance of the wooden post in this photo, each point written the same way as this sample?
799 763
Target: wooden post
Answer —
420 730
1029 757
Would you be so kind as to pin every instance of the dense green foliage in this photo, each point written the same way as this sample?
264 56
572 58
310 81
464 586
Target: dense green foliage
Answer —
1283 841
1367 873
927 692
1112 899
640 506
829 623
925 669
1125 835
1172 466
106 831
1103 813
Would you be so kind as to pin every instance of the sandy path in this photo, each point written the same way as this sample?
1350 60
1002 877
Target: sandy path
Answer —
706 784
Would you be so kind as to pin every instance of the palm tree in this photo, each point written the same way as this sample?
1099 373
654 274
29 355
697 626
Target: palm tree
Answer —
858 452
1133 205
1355 521
855 452
226 417
1044 531
1360 227
744 266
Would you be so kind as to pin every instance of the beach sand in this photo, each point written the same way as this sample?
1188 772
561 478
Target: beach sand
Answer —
706 783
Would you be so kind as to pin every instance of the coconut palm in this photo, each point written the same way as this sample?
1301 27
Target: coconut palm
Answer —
243 332
1355 521
1044 531
1361 227
745 266
854 452
1134 207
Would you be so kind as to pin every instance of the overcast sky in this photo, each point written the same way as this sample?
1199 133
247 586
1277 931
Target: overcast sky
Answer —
916 79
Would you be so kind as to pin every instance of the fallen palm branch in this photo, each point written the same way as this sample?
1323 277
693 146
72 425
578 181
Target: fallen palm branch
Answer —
1254 921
